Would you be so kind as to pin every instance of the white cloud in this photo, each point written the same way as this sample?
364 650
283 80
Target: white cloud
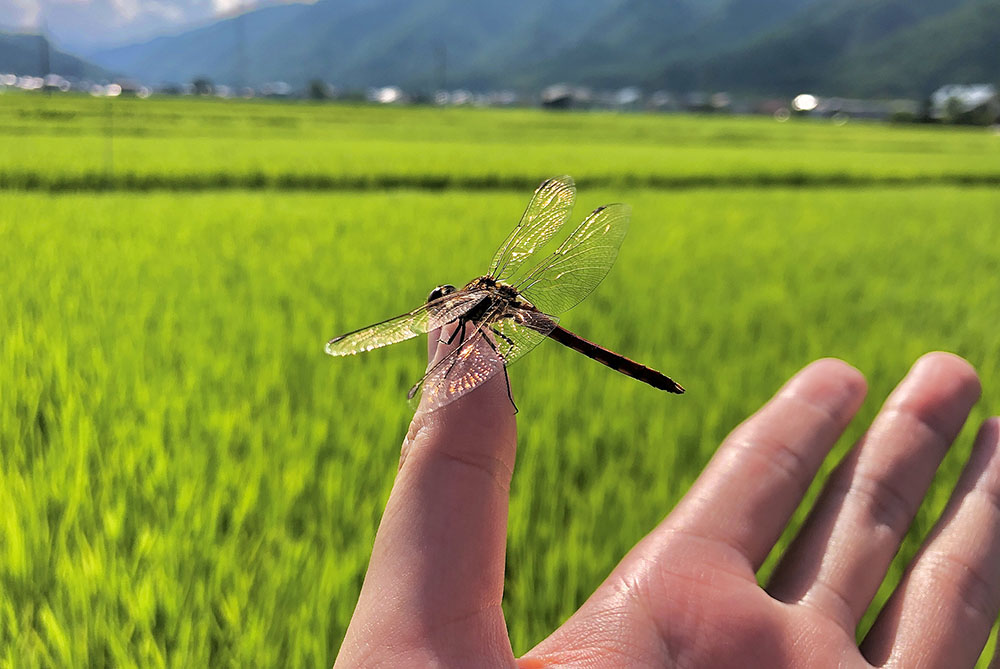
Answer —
227 6
84 25
127 10
169 12
21 13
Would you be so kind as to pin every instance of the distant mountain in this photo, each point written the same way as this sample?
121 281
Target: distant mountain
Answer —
358 43
859 47
24 55
844 47
220 51
633 44
961 46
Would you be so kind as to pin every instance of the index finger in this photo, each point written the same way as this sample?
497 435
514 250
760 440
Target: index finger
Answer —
435 579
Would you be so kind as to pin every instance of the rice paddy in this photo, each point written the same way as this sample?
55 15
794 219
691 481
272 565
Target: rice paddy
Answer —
189 481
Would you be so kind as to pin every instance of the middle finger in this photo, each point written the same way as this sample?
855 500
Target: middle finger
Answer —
841 555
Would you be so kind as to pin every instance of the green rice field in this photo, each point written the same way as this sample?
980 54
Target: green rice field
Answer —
187 480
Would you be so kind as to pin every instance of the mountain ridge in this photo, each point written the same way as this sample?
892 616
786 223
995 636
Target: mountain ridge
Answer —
22 54
758 47
860 47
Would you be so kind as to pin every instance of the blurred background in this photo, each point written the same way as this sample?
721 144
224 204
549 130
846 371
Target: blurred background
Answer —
195 196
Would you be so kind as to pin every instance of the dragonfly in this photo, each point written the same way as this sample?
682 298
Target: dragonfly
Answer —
502 315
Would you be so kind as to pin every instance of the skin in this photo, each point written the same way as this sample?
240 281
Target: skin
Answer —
686 595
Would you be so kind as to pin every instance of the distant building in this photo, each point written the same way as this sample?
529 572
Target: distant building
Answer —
133 89
662 101
843 109
387 95
629 97
771 107
276 89
966 103
54 82
564 96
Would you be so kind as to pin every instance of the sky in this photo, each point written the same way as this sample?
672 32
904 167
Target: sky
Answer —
83 26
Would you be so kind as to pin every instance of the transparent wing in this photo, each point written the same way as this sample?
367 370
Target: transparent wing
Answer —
574 269
549 208
520 333
463 370
485 353
467 367
422 319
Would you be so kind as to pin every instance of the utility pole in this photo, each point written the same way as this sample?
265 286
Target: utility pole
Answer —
109 155
241 49
442 66
45 65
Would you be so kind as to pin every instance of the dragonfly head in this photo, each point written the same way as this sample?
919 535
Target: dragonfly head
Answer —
440 291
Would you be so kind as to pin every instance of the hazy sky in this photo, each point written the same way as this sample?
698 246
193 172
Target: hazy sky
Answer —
91 24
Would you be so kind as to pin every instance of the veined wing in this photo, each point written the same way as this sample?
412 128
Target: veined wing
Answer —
461 371
520 333
574 269
424 318
485 353
465 368
549 208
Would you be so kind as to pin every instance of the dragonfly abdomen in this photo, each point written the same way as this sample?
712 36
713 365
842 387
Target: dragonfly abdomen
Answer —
615 361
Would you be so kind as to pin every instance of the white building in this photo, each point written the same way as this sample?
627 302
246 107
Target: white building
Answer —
955 100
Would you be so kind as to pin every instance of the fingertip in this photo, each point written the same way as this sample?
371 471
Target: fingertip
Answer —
989 433
939 390
952 371
985 453
844 373
983 468
937 384
829 383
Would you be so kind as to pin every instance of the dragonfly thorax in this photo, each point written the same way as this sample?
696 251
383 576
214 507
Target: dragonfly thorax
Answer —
498 289
499 298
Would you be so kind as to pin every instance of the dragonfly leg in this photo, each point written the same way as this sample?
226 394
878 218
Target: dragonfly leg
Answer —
461 341
510 397
506 377
455 333
510 342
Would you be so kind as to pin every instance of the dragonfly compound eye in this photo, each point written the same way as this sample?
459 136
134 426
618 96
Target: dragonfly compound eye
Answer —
440 291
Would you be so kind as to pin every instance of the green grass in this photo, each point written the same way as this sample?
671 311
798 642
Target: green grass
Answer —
63 143
189 481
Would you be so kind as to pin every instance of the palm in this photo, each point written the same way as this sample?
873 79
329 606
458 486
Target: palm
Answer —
687 594
709 612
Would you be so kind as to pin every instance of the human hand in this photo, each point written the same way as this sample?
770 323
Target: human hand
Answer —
686 595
